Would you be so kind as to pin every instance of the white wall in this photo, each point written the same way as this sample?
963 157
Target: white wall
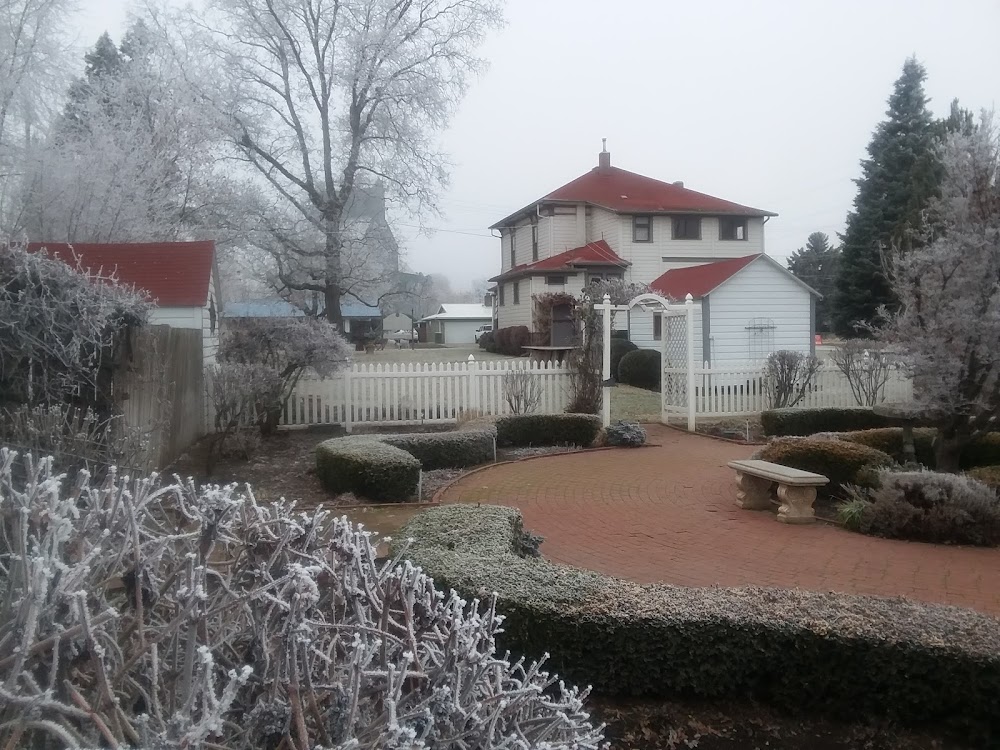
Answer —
461 331
758 291
641 326
647 257
516 315
177 317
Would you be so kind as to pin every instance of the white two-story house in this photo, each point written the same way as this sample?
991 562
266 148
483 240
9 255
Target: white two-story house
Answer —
610 222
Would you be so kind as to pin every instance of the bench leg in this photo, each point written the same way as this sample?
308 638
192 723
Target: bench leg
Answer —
754 492
796 504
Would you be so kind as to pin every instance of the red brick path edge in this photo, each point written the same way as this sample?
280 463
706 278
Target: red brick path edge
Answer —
668 514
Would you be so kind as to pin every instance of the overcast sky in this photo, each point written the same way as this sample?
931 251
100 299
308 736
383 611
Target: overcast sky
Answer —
769 103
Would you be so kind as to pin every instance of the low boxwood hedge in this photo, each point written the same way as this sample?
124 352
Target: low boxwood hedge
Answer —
802 422
446 450
982 451
842 462
838 653
368 467
642 369
521 430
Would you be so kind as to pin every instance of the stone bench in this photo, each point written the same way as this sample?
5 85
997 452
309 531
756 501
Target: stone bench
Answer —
796 489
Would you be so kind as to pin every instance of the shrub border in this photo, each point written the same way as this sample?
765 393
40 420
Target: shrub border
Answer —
638 640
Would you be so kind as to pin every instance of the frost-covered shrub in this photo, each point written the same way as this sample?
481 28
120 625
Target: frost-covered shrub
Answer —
520 430
625 434
843 463
446 450
926 506
831 652
135 614
365 466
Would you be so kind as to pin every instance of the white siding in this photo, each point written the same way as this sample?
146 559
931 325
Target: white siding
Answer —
177 317
758 291
641 330
461 331
647 257
516 315
563 229
604 225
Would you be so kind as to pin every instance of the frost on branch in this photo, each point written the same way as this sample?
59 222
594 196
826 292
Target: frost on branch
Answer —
949 322
135 614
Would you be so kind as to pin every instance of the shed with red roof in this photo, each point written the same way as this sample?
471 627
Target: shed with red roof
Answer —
177 277
745 309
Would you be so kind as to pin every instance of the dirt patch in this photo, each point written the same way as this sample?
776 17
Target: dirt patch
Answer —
745 725
740 430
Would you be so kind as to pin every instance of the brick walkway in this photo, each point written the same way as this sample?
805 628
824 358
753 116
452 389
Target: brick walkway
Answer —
668 514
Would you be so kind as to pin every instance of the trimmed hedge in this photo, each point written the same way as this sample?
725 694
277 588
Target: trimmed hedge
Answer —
642 369
803 422
619 348
387 467
890 440
522 430
367 467
447 450
487 342
839 653
512 340
840 461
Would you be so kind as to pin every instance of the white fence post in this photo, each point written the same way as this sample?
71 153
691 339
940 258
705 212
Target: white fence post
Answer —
474 397
691 403
348 400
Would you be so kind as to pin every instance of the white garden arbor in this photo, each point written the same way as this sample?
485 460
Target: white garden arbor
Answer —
676 354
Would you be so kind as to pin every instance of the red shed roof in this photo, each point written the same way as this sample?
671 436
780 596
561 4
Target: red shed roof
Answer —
700 280
592 254
173 274
628 192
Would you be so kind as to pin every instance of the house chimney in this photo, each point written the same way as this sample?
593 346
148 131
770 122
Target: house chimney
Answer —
679 183
604 158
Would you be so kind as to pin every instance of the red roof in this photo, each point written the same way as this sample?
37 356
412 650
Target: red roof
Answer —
700 280
592 254
173 274
627 192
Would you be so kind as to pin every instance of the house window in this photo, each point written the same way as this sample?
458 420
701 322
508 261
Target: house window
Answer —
657 326
555 280
534 239
687 227
517 292
732 228
642 229
500 289
513 247
594 276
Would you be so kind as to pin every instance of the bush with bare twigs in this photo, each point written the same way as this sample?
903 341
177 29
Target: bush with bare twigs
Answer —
522 390
135 614
787 377
866 366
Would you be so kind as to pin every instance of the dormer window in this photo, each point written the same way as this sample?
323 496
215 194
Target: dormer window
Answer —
732 228
642 229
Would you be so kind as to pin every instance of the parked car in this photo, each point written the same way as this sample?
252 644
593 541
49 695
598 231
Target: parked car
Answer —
486 328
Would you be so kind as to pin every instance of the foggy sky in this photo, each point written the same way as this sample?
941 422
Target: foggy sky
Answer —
769 103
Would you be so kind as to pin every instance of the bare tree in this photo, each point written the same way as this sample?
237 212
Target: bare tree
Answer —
867 365
949 323
328 102
787 377
522 390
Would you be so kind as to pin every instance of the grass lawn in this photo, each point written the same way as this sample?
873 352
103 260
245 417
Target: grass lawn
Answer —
634 404
425 354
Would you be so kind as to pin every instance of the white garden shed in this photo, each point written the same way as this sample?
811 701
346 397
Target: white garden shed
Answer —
744 309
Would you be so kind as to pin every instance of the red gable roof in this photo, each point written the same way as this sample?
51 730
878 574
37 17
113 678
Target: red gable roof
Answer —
699 280
173 274
627 192
592 254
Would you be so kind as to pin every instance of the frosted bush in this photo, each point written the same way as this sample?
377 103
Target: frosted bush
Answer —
625 434
141 614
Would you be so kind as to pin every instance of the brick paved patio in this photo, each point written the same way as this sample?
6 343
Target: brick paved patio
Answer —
668 514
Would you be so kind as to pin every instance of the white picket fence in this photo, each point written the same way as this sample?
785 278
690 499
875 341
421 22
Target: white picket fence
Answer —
418 393
740 391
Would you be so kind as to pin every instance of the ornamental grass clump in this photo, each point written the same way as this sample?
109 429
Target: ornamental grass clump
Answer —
137 614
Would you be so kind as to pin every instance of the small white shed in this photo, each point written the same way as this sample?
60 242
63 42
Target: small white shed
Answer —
457 323
745 309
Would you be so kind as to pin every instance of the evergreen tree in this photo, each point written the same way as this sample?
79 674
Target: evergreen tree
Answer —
816 264
103 63
899 177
